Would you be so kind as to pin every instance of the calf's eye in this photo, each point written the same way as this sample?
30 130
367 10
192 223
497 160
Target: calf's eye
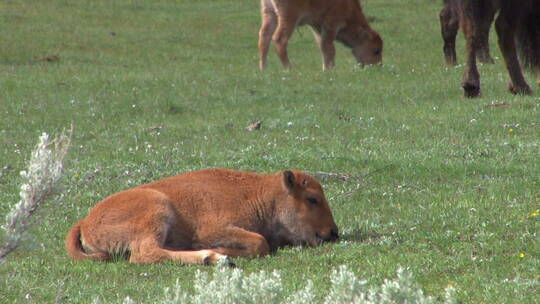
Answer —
312 200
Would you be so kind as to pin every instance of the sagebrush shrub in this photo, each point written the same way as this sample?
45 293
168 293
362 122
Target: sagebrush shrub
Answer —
228 286
39 181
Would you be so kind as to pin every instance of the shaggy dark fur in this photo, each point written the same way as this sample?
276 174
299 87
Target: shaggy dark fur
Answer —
450 17
518 29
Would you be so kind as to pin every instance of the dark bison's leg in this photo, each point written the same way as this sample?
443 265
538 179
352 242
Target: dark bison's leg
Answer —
449 29
485 25
471 77
268 27
505 26
236 242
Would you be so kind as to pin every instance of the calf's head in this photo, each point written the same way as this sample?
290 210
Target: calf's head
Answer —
303 213
366 44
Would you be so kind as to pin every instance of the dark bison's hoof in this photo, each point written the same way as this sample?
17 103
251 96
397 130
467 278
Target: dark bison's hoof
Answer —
487 60
521 90
450 59
471 90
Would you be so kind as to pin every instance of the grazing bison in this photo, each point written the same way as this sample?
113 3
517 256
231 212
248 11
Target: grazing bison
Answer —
450 17
518 28
340 20
206 216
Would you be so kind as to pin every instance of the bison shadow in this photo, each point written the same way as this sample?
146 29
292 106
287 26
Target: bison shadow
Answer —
360 235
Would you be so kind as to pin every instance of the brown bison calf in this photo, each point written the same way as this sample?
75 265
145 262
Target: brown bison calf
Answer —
206 216
341 20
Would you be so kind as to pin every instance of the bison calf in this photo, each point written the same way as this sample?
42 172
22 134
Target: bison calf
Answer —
206 216
340 20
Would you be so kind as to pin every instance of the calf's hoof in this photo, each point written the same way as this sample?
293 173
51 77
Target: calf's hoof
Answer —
210 257
225 261
471 90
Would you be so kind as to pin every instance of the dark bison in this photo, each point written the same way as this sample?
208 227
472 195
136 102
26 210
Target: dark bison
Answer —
450 17
518 29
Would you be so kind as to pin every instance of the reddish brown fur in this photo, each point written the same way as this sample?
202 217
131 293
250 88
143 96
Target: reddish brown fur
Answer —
341 20
204 216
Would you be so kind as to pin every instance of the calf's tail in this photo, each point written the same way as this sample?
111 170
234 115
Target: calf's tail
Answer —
75 249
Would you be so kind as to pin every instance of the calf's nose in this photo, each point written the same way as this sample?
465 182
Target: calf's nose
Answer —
331 236
334 235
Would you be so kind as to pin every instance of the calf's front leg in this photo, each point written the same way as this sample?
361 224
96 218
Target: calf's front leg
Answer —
268 27
236 242
283 33
326 42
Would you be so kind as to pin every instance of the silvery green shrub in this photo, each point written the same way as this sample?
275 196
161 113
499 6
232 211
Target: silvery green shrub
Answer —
230 286
39 181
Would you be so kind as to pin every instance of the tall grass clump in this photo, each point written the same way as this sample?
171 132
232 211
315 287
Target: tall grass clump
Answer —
228 286
39 181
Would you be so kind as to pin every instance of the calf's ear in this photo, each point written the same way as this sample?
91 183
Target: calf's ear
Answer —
289 181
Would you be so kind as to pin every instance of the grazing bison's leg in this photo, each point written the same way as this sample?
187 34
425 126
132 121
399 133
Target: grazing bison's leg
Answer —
505 26
285 28
449 30
268 27
237 242
471 77
326 43
149 250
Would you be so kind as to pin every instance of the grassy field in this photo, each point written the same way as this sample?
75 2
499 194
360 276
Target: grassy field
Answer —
443 185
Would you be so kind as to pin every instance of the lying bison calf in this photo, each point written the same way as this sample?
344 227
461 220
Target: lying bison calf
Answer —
206 216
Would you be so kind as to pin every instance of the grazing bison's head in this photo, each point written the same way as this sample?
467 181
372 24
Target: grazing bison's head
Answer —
304 215
366 45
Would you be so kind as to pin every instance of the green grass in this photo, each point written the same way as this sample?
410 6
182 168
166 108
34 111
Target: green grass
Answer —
441 184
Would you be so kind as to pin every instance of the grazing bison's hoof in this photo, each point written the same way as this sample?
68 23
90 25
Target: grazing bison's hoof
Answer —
471 90
521 90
